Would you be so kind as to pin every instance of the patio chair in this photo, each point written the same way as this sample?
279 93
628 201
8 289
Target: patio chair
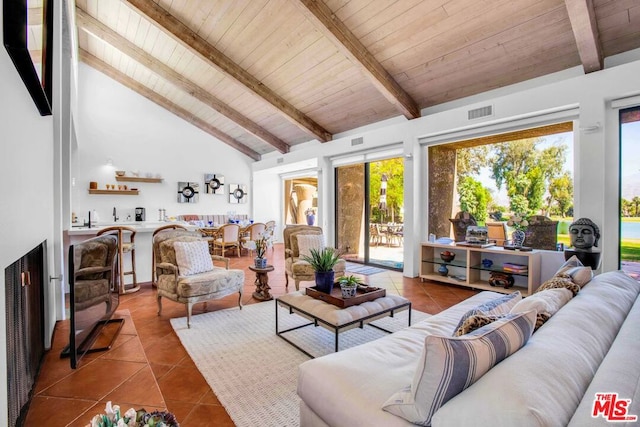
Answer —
497 233
460 222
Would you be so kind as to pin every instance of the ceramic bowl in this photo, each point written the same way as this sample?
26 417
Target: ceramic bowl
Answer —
120 173
447 256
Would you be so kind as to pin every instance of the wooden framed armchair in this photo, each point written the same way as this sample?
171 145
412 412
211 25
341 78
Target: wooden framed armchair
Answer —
189 284
297 268
94 276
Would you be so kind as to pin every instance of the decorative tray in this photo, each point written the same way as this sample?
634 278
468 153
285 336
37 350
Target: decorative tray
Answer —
363 294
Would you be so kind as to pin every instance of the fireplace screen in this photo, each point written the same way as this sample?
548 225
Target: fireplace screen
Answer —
24 282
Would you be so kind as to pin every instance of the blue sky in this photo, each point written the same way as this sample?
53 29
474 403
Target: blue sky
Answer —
630 156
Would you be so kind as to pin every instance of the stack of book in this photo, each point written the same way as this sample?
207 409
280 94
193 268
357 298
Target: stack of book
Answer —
515 268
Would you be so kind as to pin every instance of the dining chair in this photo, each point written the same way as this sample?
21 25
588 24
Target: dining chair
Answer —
252 232
269 233
228 238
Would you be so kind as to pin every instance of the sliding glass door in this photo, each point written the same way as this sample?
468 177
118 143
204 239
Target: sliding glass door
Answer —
630 191
369 209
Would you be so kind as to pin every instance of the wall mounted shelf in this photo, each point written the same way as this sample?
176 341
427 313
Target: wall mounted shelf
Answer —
137 179
123 192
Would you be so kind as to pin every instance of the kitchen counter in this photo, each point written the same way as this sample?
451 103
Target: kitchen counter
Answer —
143 244
139 226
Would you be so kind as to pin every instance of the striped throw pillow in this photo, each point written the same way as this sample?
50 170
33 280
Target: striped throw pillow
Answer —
451 364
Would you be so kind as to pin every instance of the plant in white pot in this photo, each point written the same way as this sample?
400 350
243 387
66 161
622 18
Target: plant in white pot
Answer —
323 261
349 286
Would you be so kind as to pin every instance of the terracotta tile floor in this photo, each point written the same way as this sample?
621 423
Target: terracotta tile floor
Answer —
147 367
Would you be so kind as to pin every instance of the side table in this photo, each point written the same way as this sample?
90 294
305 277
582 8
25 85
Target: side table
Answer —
262 282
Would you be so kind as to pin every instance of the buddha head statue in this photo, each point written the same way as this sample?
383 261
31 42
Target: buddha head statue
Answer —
584 234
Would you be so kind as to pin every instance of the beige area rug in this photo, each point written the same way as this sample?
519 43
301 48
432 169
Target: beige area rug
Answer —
252 371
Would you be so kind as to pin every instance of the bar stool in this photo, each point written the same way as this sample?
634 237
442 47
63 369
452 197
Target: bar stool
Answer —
125 247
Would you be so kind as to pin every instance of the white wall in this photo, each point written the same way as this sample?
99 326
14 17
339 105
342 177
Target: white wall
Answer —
114 122
26 173
565 94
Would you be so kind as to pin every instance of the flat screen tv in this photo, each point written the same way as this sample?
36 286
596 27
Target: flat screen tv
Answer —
93 297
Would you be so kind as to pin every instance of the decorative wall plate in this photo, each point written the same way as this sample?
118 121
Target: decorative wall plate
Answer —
188 192
237 193
214 183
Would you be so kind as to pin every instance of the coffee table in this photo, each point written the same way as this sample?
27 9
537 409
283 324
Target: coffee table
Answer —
338 319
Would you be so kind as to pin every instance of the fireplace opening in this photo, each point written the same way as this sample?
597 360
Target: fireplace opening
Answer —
24 296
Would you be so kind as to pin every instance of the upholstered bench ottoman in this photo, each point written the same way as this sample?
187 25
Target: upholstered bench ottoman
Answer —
338 319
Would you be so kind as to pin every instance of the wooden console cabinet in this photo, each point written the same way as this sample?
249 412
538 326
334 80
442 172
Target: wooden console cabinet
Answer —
467 268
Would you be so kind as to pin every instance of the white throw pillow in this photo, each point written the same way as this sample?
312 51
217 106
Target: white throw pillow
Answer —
546 303
449 365
193 257
309 241
495 307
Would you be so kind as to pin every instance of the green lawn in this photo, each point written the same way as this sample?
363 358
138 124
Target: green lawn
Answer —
629 248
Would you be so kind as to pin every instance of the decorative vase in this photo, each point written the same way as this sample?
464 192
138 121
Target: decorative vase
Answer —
311 219
260 262
517 237
443 270
348 291
324 281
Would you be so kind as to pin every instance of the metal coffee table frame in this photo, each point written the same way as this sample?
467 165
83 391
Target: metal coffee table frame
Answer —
316 321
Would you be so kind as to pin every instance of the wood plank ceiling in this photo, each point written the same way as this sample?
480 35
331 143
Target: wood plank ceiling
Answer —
264 75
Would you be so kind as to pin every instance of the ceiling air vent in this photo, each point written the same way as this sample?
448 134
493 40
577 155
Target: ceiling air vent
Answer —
357 141
481 112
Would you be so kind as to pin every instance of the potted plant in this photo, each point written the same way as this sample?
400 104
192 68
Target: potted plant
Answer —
322 261
349 285
520 223
260 260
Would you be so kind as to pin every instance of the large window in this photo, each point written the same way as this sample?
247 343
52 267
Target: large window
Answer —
630 191
490 180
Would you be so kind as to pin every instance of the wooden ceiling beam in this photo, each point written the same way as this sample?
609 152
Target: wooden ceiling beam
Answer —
92 26
163 102
212 56
585 31
349 45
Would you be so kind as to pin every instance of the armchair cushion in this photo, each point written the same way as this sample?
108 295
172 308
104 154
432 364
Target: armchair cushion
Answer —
306 242
218 280
193 257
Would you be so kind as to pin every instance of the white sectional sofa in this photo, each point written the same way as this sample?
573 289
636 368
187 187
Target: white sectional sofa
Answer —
591 345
